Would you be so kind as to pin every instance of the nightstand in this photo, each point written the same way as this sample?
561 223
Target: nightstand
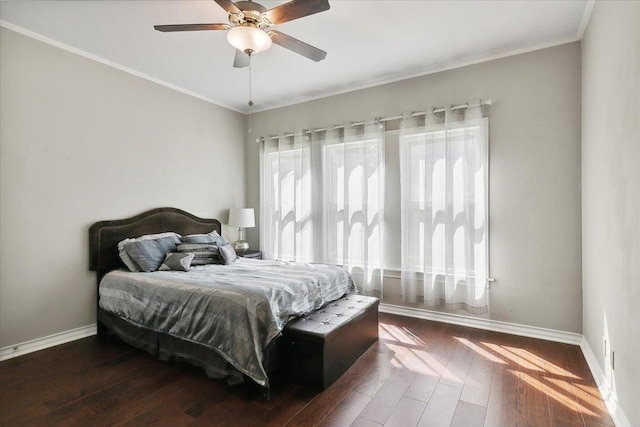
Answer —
250 254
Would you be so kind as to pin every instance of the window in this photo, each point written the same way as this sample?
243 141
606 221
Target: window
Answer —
288 226
444 180
353 209
322 199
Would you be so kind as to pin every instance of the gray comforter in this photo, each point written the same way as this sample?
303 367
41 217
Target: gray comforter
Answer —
236 310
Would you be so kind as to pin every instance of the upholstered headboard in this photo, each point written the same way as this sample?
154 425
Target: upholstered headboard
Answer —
105 235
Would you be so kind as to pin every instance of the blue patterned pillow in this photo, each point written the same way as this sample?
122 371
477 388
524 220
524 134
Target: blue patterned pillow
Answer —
149 254
128 261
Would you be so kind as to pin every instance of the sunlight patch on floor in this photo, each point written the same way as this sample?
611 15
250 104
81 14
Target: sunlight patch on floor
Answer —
540 374
552 393
542 363
482 352
513 357
401 336
415 337
585 389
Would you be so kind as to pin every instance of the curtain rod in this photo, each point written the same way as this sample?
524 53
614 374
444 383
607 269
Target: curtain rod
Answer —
378 120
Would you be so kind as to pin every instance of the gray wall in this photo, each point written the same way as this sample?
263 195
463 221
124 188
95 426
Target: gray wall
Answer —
534 171
611 194
82 142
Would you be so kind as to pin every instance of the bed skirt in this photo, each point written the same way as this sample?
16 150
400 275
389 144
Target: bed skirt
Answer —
169 348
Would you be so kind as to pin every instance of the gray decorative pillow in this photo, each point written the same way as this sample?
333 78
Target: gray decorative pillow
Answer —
205 254
212 237
205 261
198 247
228 254
177 262
124 256
149 254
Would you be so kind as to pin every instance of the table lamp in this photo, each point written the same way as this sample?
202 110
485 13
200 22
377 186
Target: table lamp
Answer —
241 218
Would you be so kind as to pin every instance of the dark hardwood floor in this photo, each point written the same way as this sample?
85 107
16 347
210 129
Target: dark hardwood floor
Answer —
419 373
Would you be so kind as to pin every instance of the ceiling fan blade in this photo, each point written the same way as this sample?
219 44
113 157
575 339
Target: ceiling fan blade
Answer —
228 5
241 60
295 9
297 46
191 27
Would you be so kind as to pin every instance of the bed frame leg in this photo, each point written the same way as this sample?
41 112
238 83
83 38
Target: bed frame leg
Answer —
266 394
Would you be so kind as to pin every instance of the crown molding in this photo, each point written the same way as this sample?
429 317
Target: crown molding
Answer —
303 99
585 18
422 73
115 65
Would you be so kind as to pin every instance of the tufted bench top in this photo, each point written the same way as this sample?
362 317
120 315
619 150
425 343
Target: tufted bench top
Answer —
327 319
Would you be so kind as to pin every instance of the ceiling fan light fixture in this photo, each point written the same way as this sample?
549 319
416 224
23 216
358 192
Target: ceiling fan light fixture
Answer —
249 39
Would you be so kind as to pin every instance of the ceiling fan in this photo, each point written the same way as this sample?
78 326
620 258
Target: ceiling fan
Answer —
249 28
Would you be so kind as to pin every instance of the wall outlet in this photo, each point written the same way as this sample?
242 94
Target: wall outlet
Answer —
613 360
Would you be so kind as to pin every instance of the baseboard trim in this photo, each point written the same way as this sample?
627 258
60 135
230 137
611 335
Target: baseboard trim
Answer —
27 347
608 394
486 324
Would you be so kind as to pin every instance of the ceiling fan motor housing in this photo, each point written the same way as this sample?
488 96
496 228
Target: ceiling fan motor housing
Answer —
250 15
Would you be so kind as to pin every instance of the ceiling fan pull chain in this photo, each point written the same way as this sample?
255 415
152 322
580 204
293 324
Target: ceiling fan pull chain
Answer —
249 130
250 96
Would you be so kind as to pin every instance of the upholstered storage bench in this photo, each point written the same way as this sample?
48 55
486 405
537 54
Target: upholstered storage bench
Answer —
321 346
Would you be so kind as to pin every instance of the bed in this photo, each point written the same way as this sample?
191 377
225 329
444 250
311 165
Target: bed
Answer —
223 318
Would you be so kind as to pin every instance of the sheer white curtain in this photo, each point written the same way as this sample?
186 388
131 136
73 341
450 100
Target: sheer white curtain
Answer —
353 201
444 197
288 199
322 199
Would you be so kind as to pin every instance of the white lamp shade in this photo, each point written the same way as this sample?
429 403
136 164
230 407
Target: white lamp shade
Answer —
244 38
241 218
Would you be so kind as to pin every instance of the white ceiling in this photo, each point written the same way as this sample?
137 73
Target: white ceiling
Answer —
368 42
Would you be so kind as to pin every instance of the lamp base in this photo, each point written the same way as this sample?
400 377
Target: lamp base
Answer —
240 246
